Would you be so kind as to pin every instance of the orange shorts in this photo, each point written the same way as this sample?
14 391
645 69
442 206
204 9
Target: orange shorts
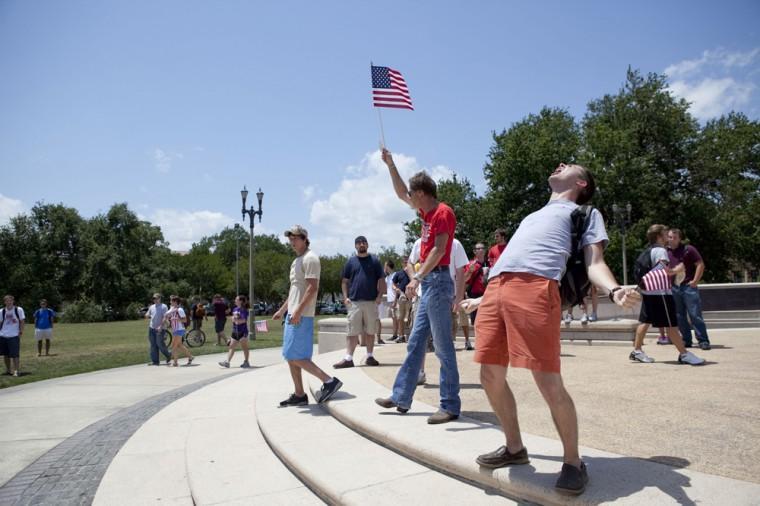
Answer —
518 323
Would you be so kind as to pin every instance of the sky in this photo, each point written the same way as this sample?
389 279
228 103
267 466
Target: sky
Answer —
172 106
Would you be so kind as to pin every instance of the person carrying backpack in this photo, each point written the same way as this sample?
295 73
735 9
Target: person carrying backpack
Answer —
43 327
653 274
11 329
518 320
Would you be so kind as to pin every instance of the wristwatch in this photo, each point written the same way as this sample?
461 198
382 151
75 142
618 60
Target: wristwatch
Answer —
612 293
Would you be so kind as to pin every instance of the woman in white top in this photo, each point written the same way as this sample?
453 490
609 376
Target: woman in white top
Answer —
176 317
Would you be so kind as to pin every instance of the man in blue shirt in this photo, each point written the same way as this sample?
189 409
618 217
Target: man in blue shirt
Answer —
363 286
43 327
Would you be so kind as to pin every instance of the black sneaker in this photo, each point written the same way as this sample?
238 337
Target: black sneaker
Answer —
372 361
704 345
572 481
295 400
343 364
328 390
468 346
501 457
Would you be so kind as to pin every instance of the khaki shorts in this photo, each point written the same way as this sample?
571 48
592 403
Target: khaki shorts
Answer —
362 317
458 317
40 334
518 323
403 308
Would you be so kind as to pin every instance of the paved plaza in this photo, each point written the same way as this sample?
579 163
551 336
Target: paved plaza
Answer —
657 433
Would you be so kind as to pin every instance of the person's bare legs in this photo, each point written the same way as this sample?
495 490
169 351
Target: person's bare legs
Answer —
246 352
351 343
676 339
233 347
493 377
563 413
39 348
641 332
369 342
311 368
295 373
8 365
47 347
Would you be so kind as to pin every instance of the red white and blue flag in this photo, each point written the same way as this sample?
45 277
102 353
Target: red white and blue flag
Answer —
657 280
261 326
389 89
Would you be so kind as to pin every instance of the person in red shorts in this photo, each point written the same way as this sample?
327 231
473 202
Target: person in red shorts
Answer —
518 320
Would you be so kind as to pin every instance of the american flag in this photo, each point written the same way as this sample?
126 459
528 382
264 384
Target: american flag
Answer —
261 326
389 89
656 280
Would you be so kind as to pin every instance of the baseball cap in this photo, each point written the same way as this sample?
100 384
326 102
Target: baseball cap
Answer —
297 230
359 239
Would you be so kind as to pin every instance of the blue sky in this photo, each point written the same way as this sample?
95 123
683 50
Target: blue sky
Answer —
172 106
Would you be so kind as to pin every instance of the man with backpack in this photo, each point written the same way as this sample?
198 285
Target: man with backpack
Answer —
518 320
11 329
653 274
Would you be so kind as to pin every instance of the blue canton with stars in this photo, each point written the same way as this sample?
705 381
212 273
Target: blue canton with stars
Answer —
380 77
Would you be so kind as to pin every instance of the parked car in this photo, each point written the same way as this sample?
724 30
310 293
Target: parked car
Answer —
340 308
325 308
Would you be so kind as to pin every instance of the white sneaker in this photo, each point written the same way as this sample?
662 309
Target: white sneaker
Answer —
421 379
568 318
592 317
584 319
690 358
640 356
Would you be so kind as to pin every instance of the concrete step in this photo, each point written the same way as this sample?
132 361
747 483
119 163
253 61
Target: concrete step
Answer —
203 449
453 448
343 467
732 315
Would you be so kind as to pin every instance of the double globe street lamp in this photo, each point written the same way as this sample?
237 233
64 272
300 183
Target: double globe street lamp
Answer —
251 215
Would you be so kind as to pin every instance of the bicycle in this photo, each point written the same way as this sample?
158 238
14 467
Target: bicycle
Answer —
193 338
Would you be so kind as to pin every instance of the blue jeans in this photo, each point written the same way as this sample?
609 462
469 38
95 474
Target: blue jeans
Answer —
433 317
156 344
688 303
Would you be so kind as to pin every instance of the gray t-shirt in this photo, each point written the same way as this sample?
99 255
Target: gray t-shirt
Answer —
156 314
542 243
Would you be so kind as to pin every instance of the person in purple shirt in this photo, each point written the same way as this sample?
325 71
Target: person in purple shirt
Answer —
685 291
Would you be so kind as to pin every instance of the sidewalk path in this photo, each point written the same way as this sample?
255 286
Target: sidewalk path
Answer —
36 417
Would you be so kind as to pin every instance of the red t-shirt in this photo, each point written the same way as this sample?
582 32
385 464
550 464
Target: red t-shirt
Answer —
476 285
494 253
440 220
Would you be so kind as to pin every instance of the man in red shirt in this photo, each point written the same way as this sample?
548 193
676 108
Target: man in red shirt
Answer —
475 275
434 312
500 236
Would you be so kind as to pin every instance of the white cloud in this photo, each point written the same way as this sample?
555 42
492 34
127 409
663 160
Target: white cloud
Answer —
365 204
163 160
712 97
308 192
9 208
717 82
183 228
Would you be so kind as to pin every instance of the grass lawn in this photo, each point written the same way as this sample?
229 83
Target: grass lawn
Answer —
86 347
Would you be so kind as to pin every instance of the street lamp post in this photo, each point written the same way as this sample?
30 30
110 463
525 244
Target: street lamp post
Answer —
623 221
237 259
251 215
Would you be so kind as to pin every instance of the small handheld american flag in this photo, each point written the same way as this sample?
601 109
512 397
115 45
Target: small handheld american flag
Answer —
656 280
389 89
261 326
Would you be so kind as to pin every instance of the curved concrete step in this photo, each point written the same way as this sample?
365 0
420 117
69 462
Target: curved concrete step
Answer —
204 448
453 447
345 468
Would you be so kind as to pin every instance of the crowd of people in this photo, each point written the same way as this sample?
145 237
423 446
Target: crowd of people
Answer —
508 292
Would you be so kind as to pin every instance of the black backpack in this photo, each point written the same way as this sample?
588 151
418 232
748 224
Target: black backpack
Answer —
642 265
575 285
2 316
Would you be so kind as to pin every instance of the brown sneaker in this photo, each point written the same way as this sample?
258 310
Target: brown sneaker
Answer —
441 416
343 364
572 480
371 361
389 403
501 457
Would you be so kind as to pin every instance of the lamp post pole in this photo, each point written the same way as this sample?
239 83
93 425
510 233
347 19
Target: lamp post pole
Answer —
237 259
623 222
251 215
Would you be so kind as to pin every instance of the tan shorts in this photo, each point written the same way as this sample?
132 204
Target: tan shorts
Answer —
403 307
518 323
458 317
362 317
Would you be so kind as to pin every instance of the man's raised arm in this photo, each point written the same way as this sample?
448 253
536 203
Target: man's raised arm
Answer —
398 183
